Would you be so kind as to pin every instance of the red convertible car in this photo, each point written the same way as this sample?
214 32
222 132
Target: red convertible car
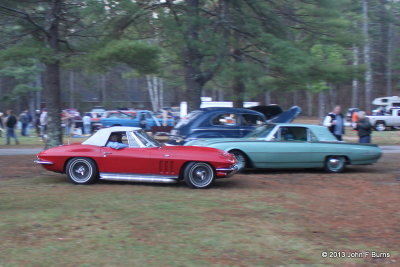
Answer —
139 158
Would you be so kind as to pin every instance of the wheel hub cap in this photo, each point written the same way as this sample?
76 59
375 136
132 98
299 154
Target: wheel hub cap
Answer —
334 163
80 170
201 174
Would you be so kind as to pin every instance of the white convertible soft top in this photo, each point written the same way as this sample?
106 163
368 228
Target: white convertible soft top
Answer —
100 138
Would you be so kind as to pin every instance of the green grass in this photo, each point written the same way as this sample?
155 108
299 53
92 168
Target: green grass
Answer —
46 221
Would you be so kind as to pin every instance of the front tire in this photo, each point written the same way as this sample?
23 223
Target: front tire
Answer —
82 171
199 175
335 164
241 159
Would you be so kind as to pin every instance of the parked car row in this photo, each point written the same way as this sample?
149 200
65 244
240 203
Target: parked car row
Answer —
201 161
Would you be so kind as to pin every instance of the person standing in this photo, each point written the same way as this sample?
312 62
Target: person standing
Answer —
86 123
11 121
335 122
364 128
43 122
24 119
37 122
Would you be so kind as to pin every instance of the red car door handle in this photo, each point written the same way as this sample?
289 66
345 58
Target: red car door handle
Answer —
106 153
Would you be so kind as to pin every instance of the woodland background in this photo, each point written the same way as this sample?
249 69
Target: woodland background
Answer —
154 54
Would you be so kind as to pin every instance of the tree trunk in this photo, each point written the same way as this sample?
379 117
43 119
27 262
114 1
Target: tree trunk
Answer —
195 77
321 104
332 96
389 60
238 84
149 81
53 104
354 85
367 57
267 98
71 88
161 93
156 92
38 95
379 50
194 87
103 88
52 77
295 97
309 103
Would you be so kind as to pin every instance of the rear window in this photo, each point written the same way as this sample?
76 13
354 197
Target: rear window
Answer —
228 119
190 117
292 134
252 120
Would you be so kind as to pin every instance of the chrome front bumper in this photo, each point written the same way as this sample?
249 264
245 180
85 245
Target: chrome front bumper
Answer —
229 171
44 162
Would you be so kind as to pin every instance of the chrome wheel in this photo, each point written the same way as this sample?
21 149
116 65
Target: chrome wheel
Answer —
81 170
335 164
199 175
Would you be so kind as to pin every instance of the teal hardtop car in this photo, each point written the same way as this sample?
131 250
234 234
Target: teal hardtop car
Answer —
290 145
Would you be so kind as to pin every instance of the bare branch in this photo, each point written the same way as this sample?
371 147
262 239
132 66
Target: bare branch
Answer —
25 16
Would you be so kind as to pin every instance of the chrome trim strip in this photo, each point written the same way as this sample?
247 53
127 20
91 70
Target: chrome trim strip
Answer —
44 162
147 178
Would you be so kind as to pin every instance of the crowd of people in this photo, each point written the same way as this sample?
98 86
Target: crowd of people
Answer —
335 121
9 121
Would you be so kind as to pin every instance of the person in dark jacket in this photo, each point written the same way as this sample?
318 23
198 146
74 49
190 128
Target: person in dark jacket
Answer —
11 121
335 122
364 128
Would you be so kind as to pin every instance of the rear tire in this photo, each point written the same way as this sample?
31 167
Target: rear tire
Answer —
335 164
82 171
199 175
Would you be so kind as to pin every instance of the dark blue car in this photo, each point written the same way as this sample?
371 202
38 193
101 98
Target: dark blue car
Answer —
215 123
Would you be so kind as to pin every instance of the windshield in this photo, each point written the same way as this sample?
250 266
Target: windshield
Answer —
147 140
261 132
191 116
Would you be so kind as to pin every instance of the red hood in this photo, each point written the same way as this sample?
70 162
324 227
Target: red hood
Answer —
200 153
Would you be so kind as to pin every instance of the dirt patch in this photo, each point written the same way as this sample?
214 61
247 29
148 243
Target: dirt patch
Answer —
21 166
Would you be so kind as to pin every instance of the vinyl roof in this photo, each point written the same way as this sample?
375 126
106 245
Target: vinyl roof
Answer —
101 137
